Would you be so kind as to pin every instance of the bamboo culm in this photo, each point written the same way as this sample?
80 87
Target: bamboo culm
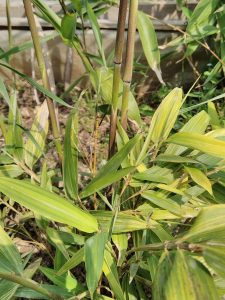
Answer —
117 73
44 75
128 69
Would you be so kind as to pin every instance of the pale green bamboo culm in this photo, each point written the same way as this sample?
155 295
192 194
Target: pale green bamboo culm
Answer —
41 63
128 69
117 73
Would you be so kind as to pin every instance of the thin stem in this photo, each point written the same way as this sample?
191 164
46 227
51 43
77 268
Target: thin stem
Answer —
44 75
169 246
204 45
29 284
9 23
129 60
63 6
117 73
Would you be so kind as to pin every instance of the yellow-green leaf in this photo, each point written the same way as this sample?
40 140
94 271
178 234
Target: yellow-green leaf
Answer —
196 124
163 120
209 225
39 130
205 144
149 43
47 204
70 166
214 255
200 178
180 276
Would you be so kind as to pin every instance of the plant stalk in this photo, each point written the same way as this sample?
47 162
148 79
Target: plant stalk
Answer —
117 73
9 24
29 284
127 76
168 246
44 75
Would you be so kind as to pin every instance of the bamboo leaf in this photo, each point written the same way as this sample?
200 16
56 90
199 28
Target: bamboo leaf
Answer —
163 120
214 117
110 271
104 180
10 171
107 175
96 30
121 242
205 144
68 26
55 238
182 277
26 45
156 174
65 281
4 93
201 17
200 178
39 131
125 221
74 261
162 202
196 124
104 86
209 225
214 255
47 204
37 86
149 43
70 166
94 256
9 253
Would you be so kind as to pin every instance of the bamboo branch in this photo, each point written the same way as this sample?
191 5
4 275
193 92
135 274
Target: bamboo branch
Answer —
169 246
117 73
29 284
44 75
127 77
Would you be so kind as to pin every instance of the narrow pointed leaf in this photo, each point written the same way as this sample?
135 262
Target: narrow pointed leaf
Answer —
40 88
209 225
205 144
39 131
94 257
200 178
47 204
214 255
149 43
196 124
70 166
9 252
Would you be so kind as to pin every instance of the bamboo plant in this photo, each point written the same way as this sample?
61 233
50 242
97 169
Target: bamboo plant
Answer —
44 75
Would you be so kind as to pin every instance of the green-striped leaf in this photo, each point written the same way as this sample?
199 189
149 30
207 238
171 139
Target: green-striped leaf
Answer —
180 276
9 255
163 120
200 178
47 204
205 144
68 26
70 166
196 124
10 171
209 225
39 131
40 88
214 254
94 256
149 43
107 175
74 261
96 30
